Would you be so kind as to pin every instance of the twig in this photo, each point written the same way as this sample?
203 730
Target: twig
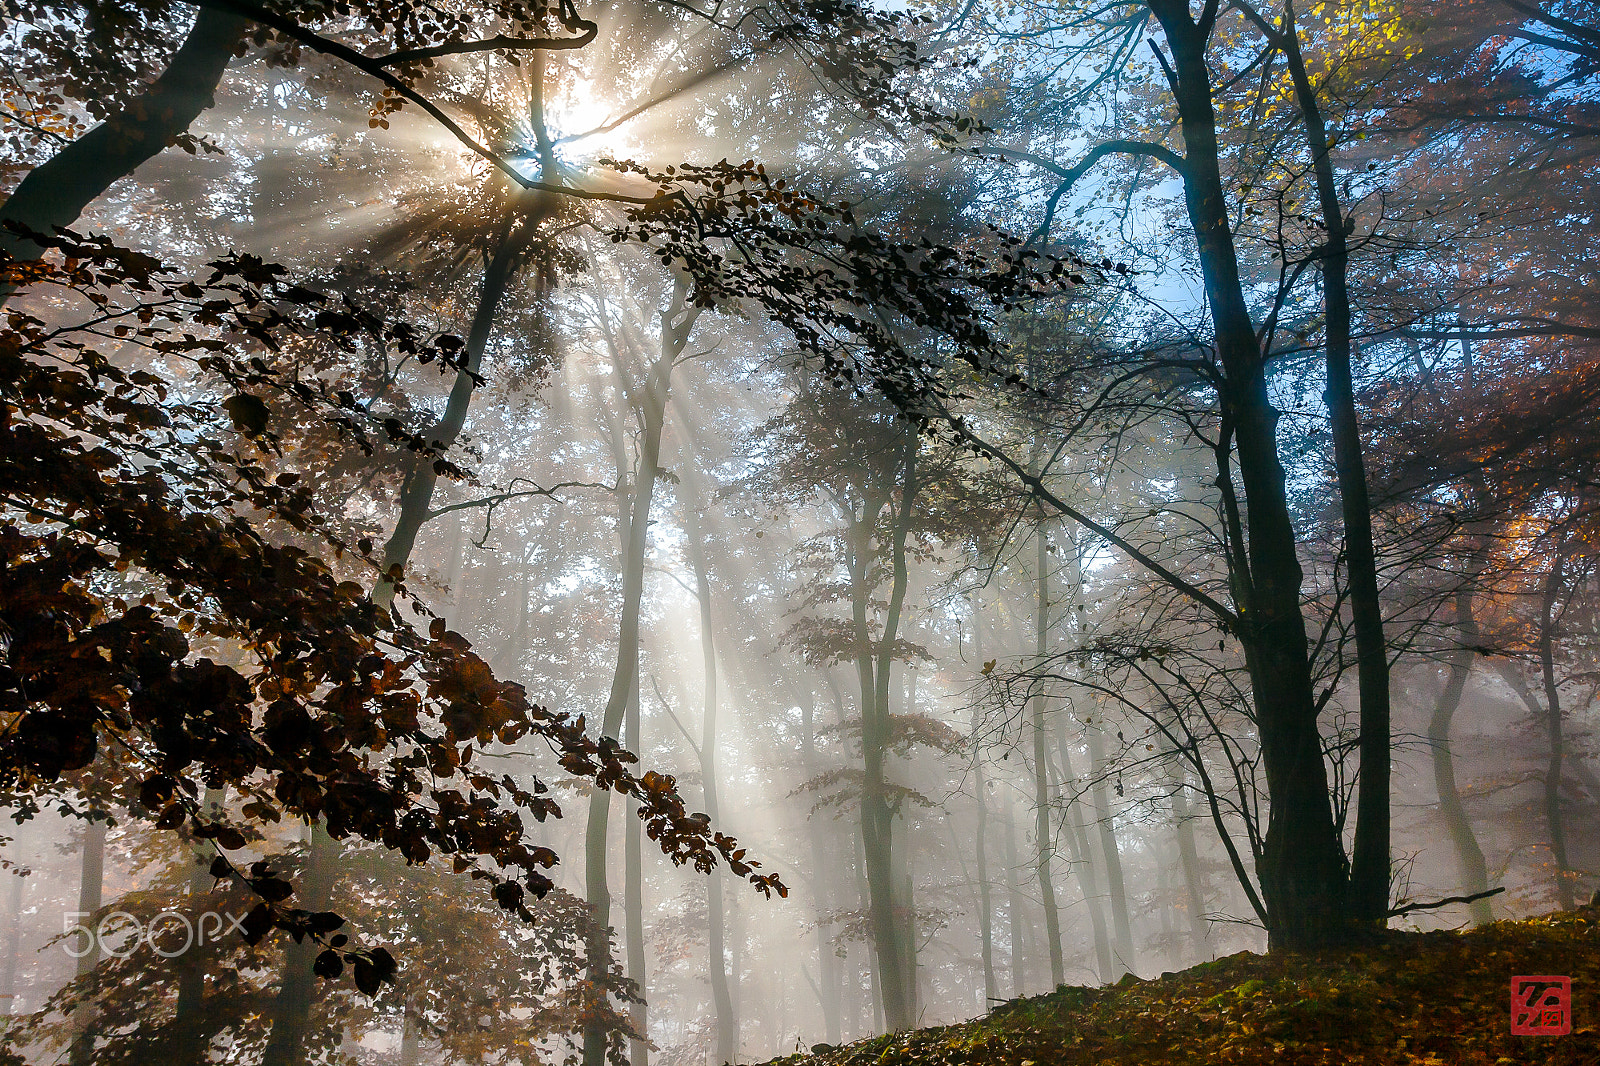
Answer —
1408 908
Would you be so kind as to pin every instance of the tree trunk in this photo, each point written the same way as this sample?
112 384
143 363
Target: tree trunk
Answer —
1083 859
650 405
722 999
1552 711
91 886
1125 960
1014 917
875 666
188 1017
8 979
633 896
1369 868
55 192
416 492
1189 858
1302 870
410 1038
1044 837
291 1010
991 990
1474 871
823 878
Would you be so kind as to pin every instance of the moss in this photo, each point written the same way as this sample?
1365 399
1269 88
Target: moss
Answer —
1420 999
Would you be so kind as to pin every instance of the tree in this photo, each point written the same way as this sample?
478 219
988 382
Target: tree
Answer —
369 725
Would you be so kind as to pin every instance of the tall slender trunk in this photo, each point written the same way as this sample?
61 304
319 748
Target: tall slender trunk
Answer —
736 960
291 1010
8 977
410 1037
1014 917
1189 858
188 1017
721 998
980 842
1474 871
1302 870
55 192
874 661
416 492
91 886
1083 858
1044 836
874 966
991 990
1116 889
823 877
633 894
650 406
1552 718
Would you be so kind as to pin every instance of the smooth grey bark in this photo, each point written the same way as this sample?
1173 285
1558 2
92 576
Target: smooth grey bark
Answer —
8 977
864 898
416 492
633 892
1014 918
649 404
1474 871
822 875
1189 859
192 1041
91 887
1554 816
721 997
291 1008
991 990
55 192
1117 893
874 661
1044 836
1370 856
410 1037
1541 713
91 883
1083 858
980 842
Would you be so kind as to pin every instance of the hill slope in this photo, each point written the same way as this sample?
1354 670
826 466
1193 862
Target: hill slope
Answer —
1440 999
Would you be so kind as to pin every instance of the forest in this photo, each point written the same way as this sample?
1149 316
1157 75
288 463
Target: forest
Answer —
692 531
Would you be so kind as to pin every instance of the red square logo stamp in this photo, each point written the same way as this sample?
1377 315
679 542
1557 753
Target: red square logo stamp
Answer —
1541 1006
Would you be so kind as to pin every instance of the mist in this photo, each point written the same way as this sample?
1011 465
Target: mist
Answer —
642 608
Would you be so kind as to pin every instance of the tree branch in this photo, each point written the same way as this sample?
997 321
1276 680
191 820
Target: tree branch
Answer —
1408 908
375 67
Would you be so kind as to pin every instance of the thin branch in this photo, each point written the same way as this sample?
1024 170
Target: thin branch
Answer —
1408 908
489 44
375 68
499 498
668 708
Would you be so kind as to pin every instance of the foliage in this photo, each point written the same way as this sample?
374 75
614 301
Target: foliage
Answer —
475 972
132 542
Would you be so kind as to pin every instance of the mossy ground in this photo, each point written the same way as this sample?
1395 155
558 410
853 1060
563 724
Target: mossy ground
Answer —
1428 999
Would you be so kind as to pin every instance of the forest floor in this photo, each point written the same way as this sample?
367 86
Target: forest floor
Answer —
1425 999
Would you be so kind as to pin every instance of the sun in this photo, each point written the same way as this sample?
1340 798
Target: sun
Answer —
586 125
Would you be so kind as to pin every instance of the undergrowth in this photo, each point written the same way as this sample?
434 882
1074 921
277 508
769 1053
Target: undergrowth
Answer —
1420 999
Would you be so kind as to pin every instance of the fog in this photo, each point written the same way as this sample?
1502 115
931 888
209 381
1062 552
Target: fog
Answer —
973 665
